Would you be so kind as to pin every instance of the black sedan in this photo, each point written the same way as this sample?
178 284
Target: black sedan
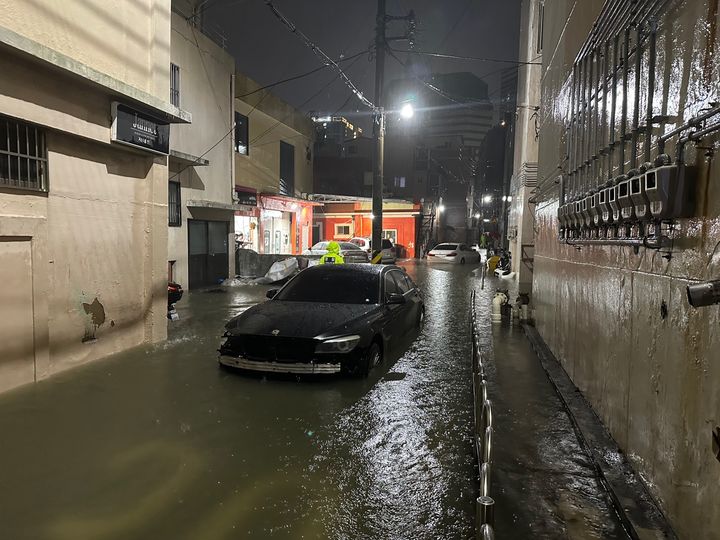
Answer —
329 318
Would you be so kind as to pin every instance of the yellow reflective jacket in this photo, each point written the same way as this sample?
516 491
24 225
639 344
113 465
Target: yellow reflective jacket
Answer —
333 255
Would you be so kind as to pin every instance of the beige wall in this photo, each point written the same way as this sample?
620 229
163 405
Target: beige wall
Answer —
654 381
271 121
206 91
125 39
98 237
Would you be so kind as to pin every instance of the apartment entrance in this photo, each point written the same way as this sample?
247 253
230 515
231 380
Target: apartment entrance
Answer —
207 252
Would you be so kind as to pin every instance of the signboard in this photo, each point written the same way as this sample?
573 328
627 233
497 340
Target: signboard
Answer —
140 130
247 198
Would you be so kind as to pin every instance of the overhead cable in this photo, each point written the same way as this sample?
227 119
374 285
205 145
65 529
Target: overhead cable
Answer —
307 73
321 54
470 58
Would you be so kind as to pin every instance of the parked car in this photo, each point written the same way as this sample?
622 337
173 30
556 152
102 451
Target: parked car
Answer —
352 253
389 252
327 319
452 253
362 243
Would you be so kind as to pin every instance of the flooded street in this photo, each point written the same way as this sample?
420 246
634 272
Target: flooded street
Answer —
161 443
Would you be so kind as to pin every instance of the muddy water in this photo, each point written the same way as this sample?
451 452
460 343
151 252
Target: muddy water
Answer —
159 443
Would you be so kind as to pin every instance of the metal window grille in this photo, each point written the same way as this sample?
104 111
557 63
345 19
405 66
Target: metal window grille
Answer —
23 156
174 203
175 85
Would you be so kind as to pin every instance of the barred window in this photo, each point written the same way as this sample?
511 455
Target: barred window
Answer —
175 85
174 217
23 156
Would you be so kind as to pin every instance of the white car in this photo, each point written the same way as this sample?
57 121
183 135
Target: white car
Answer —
350 252
362 243
389 252
452 253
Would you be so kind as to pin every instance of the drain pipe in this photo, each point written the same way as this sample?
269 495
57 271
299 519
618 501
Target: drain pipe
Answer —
613 107
623 121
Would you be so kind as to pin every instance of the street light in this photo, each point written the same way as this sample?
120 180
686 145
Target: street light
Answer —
486 220
407 111
477 216
487 198
441 208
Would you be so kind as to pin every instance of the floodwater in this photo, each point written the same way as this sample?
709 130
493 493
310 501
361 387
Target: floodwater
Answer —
160 443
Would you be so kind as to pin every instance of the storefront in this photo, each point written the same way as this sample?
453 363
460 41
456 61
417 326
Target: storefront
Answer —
247 220
344 220
285 224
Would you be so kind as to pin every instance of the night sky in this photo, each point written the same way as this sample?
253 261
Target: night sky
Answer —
267 51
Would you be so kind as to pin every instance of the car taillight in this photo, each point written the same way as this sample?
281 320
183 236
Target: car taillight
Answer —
453 254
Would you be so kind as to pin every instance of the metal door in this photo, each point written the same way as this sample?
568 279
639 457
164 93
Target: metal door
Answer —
207 252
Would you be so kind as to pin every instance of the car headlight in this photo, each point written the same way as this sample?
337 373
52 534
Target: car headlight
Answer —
340 345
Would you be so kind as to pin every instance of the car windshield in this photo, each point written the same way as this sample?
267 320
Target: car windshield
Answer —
320 245
338 285
349 245
445 247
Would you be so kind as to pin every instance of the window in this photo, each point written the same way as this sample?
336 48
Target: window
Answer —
390 234
390 286
402 285
287 169
342 230
174 217
23 156
400 181
335 285
242 145
175 85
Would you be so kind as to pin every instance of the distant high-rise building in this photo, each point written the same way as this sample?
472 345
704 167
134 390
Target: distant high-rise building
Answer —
331 134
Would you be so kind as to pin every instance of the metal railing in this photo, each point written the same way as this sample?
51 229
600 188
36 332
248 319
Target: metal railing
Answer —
483 435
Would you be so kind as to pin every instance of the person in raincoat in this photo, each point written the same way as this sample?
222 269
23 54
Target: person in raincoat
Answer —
333 255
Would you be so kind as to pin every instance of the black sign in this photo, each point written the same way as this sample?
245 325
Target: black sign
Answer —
248 198
139 129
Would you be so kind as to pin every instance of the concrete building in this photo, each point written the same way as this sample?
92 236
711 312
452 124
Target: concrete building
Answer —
273 172
616 314
84 118
520 234
331 134
201 184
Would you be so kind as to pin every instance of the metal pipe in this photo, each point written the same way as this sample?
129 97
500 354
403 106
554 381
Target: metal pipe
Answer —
636 104
604 136
485 479
652 60
613 107
693 122
586 123
623 120
653 243
694 136
594 117
485 512
487 444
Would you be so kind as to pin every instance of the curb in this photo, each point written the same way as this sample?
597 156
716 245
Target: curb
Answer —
637 510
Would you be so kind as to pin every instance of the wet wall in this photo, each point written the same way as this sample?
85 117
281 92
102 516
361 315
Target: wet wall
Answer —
618 318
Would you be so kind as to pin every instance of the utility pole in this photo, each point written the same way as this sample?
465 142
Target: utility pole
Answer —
378 131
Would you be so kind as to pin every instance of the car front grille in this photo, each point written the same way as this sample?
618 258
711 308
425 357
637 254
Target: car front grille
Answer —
270 348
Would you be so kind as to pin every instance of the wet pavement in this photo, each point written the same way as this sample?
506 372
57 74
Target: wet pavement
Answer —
159 442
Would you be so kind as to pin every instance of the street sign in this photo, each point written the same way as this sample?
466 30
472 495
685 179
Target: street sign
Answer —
138 129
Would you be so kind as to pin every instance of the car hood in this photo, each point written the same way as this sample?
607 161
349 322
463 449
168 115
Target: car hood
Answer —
299 319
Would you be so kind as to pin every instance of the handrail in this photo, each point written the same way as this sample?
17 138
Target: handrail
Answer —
484 504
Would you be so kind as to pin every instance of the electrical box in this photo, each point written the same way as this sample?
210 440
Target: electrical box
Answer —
639 199
578 214
669 190
627 209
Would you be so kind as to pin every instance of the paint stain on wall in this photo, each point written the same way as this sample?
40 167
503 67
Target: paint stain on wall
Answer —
96 318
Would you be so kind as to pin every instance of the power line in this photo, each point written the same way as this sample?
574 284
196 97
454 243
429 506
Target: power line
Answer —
321 54
470 58
307 73
457 21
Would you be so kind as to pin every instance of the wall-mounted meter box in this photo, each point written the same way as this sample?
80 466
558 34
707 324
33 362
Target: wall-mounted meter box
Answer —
627 209
604 209
670 191
639 199
613 202
595 215
579 219
585 205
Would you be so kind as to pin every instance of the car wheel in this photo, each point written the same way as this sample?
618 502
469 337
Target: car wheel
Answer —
462 261
370 358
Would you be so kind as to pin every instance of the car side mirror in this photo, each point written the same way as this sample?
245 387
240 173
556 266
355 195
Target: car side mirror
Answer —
271 293
395 298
